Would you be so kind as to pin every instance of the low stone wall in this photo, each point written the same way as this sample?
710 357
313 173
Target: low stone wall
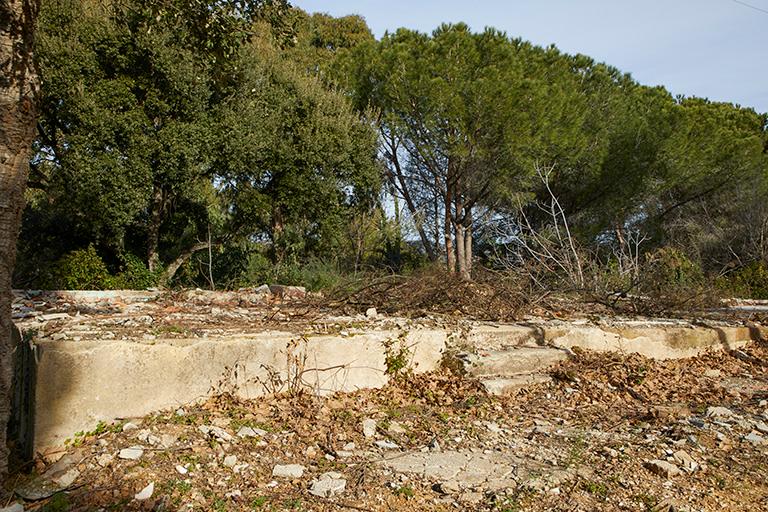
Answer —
81 383
653 339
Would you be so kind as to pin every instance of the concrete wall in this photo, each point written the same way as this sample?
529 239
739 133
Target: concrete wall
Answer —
82 383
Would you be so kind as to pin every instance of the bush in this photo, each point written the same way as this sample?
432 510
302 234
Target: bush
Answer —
82 269
750 282
315 274
134 276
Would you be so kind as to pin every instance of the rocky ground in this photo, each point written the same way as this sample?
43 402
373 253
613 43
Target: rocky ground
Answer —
611 432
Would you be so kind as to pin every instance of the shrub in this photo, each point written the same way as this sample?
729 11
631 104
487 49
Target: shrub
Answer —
749 282
134 276
82 269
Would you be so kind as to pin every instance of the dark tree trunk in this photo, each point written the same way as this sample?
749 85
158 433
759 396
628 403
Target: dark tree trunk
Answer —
153 229
18 88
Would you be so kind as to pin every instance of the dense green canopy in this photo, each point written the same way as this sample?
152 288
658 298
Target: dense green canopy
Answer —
274 138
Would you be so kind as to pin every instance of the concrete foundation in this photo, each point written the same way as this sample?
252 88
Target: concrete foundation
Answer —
81 383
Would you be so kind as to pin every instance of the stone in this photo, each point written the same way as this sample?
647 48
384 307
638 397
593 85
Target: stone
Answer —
262 290
755 438
146 492
15 507
662 468
132 453
328 485
719 413
685 460
104 460
251 432
369 428
395 428
288 471
230 461
762 427
288 292
216 432
68 478
714 374
130 426
54 316
387 445
474 498
168 440
181 470
371 313
448 487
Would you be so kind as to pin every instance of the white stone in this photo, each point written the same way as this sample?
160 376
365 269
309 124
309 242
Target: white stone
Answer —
181 470
217 432
328 485
719 412
387 445
251 432
130 426
288 471
16 507
132 453
371 313
369 428
230 461
146 492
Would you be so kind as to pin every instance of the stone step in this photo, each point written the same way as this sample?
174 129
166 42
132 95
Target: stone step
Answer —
519 360
500 386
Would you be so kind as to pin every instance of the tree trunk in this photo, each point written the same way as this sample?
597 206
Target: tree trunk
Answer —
153 230
450 256
468 245
398 183
18 88
176 264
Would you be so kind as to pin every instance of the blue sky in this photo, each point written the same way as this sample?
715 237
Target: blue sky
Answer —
710 48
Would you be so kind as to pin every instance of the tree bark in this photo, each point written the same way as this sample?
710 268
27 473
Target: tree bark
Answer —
153 230
176 264
18 113
399 184
468 243
450 256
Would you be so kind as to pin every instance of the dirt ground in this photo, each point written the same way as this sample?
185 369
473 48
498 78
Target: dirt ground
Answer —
611 432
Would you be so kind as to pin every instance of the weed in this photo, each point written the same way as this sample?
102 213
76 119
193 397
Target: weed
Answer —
597 488
646 500
396 358
58 503
258 502
405 491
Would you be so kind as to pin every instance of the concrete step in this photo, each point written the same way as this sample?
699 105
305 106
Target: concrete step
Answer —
500 386
514 361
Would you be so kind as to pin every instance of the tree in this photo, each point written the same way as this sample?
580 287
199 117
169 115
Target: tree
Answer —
294 160
18 88
463 118
130 92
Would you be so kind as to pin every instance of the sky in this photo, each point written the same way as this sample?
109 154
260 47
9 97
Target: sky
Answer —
715 49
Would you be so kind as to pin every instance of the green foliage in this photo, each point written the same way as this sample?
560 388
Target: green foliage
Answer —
750 282
81 269
668 268
396 357
134 275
